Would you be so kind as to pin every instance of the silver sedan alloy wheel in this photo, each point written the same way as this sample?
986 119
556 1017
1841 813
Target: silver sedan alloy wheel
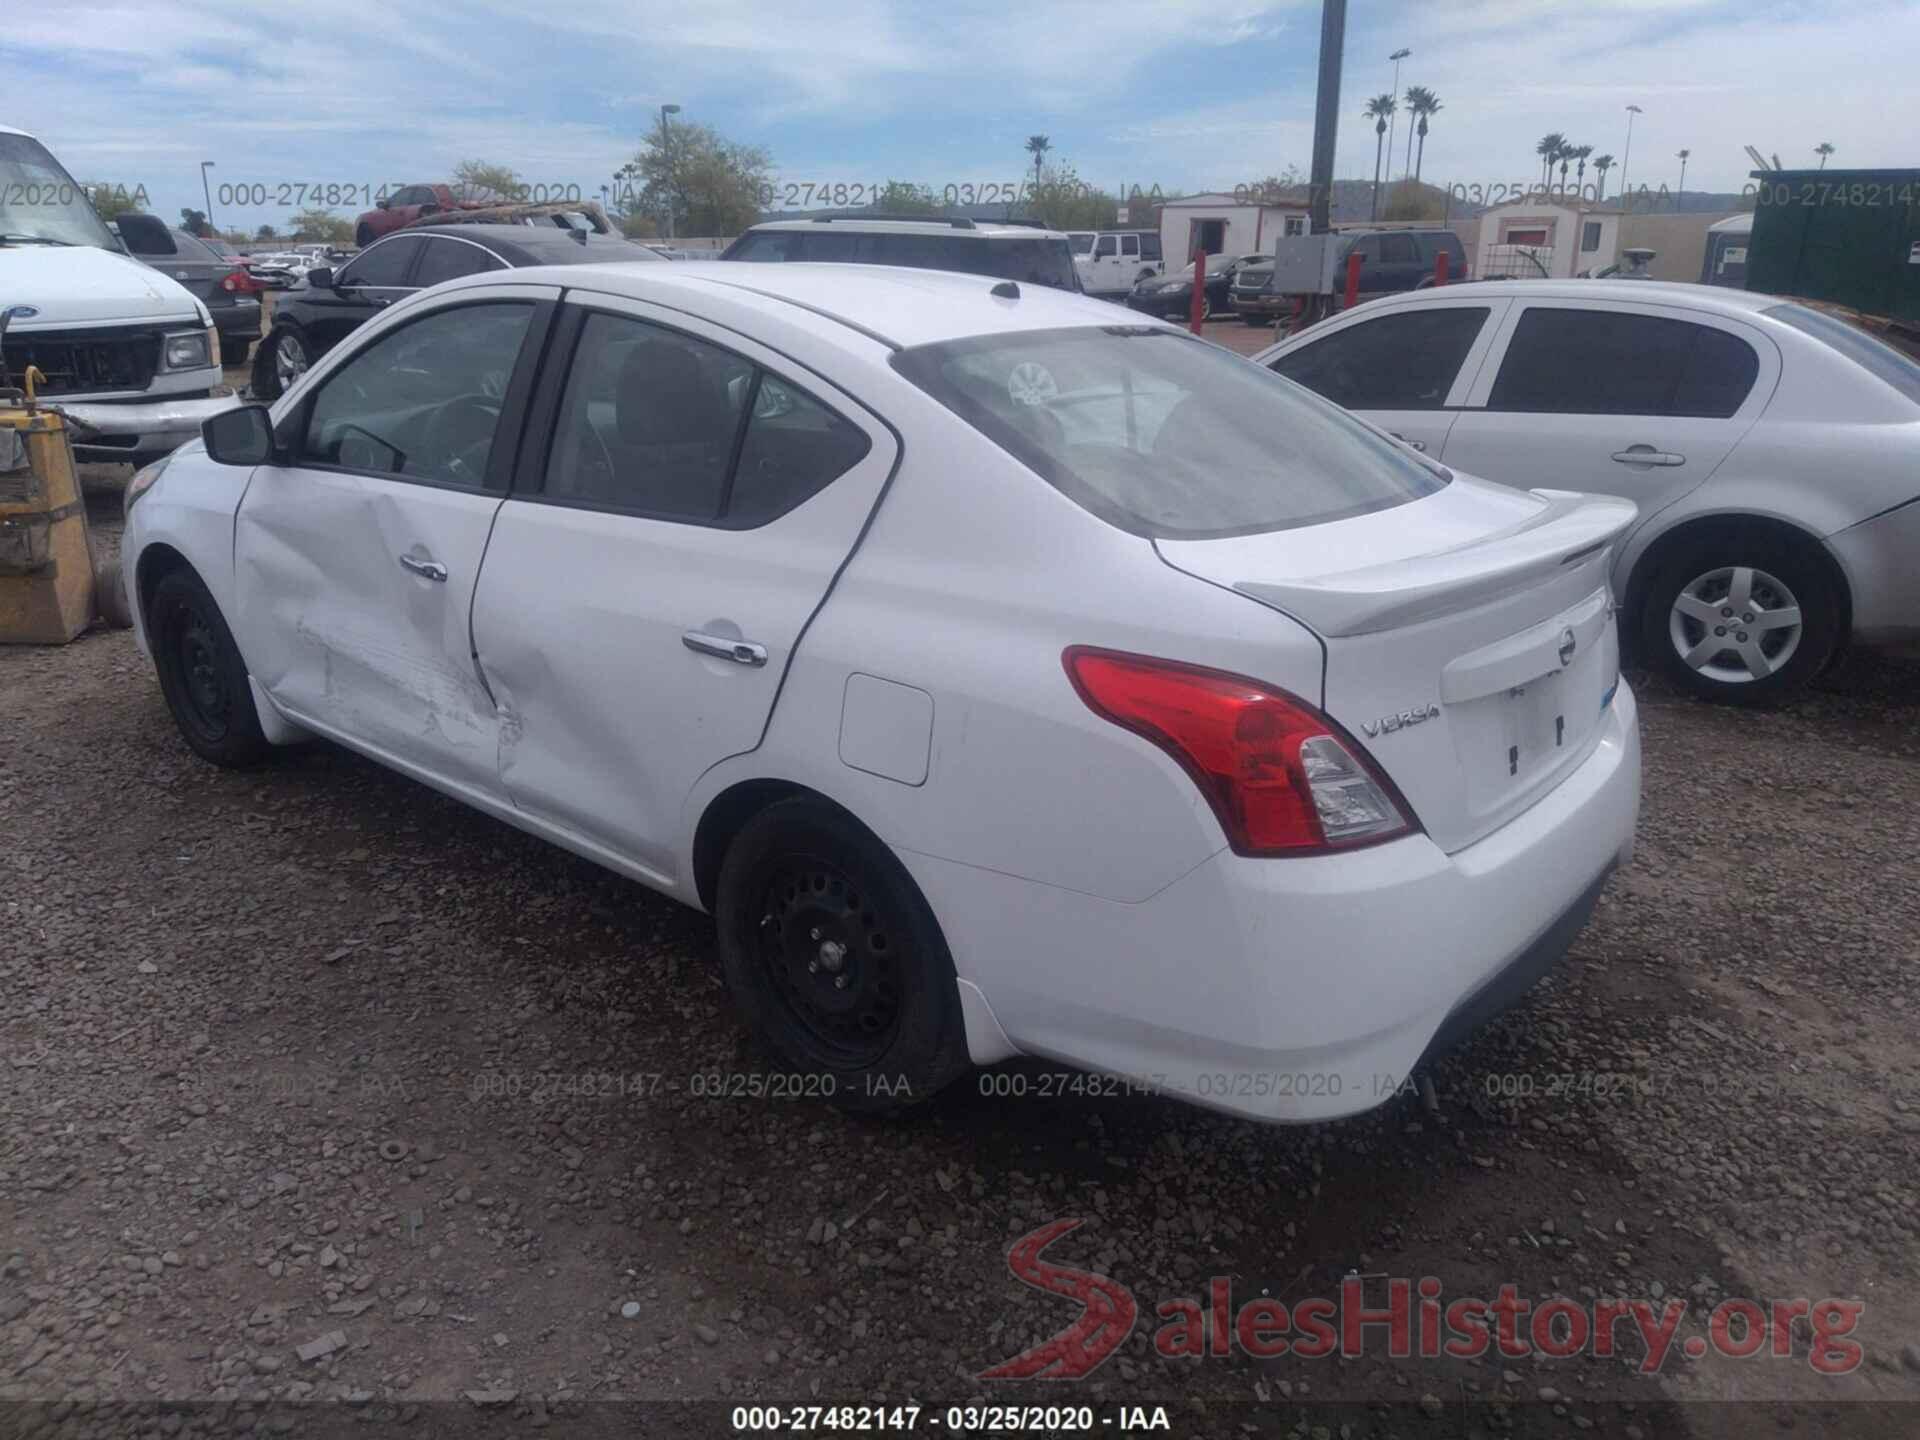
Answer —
1736 624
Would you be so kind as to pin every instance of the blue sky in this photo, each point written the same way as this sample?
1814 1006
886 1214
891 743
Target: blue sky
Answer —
1189 94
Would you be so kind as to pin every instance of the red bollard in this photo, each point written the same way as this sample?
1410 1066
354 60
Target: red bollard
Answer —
1440 268
1353 281
1199 290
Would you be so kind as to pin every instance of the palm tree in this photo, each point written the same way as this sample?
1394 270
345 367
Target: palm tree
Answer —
1580 153
1549 148
1683 154
1037 146
1823 150
1565 157
1601 164
1423 102
1379 108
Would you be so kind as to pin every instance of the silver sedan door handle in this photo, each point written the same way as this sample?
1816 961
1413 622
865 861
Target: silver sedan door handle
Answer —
1646 455
432 569
741 652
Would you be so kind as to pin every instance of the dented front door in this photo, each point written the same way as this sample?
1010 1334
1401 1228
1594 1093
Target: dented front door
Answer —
355 560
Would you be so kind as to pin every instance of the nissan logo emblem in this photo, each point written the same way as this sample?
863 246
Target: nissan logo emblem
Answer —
1567 646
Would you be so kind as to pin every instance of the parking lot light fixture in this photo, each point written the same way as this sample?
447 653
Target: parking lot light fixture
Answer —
1396 57
1626 154
666 148
205 190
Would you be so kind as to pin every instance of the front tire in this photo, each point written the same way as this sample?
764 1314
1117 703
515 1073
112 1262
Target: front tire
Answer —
834 958
1742 616
202 674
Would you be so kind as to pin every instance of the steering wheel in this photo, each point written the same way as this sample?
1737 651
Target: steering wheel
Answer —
462 431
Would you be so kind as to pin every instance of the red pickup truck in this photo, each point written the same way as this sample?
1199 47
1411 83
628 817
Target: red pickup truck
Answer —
408 203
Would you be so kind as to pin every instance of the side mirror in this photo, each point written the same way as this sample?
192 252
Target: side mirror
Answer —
385 202
240 436
320 277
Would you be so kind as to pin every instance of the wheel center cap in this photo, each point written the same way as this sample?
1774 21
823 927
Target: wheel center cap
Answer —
832 956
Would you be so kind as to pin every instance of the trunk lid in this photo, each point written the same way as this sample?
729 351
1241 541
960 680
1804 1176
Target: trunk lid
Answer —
1469 636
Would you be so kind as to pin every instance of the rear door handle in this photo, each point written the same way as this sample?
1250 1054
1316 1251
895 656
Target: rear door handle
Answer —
431 569
1419 445
723 647
1646 455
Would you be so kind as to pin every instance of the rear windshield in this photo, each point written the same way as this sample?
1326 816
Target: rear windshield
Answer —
1166 435
1874 356
1042 260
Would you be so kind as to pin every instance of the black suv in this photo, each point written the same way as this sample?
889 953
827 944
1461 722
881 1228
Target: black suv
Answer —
316 314
1390 261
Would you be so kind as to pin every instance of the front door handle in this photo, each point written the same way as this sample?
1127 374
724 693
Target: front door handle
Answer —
723 647
1419 445
1646 455
431 569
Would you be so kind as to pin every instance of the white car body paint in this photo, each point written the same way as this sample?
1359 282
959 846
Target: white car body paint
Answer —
1093 907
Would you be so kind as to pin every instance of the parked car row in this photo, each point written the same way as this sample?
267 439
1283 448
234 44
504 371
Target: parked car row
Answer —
208 270
1391 263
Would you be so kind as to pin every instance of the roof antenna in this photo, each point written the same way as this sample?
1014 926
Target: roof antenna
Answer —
1006 290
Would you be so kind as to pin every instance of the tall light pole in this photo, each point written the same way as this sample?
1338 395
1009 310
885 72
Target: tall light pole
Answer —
1396 57
666 147
206 190
1626 195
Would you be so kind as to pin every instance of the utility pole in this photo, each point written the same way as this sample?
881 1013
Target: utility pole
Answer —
1326 114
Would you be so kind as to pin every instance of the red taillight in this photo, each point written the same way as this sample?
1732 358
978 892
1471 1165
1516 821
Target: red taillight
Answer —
239 282
1282 777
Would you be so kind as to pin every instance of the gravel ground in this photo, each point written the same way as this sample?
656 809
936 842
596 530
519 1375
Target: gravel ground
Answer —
320 1088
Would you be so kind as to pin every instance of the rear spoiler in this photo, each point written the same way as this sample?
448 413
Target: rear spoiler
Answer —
1571 528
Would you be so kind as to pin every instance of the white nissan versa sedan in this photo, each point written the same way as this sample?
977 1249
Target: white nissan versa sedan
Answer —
1005 677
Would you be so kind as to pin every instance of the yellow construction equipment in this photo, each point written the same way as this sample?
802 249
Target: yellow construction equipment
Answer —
50 587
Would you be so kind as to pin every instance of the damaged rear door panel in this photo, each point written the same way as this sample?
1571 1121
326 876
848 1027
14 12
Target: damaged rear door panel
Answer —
684 501
355 562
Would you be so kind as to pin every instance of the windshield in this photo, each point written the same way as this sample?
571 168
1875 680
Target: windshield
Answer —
39 200
1874 356
1165 435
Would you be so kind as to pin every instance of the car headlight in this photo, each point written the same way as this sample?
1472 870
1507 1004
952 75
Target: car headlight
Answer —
141 483
185 351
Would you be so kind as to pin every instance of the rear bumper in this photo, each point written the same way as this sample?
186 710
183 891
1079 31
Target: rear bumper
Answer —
1878 558
1295 990
120 429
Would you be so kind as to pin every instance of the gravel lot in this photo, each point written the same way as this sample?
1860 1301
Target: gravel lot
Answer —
313 1052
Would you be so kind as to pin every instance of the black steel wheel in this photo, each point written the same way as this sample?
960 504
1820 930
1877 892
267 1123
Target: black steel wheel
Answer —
834 957
201 673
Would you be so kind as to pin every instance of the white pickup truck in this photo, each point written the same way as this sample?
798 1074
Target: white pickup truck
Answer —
126 353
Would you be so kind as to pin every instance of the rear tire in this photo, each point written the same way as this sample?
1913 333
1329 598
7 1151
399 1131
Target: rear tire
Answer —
834 958
1741 616
202 675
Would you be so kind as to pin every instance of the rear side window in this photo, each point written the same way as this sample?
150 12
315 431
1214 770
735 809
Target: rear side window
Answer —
1876 357
1607 362
385 264
450 259
1397 362
1165 435
662 424
1398 250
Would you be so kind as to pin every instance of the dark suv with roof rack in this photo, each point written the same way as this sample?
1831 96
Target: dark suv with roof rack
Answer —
1022 250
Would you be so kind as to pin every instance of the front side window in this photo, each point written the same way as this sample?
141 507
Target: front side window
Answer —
384 266
422 402
1107 247
1612 362
662 424
1406 361
1165 435
763 245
